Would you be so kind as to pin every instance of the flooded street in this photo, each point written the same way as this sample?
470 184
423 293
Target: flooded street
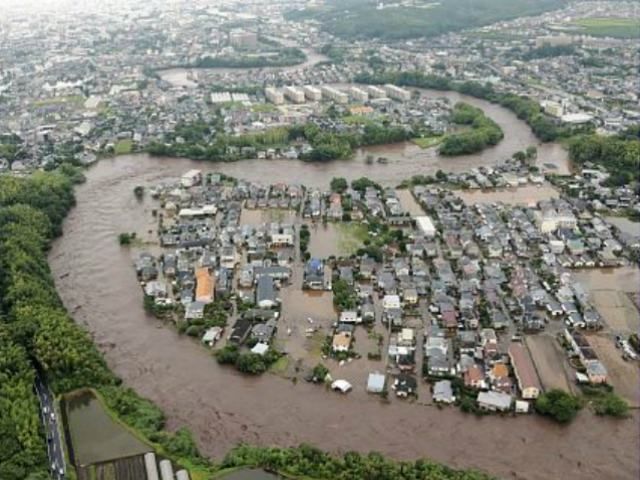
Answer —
97 283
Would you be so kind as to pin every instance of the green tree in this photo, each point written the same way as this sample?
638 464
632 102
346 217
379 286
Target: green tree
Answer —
559 405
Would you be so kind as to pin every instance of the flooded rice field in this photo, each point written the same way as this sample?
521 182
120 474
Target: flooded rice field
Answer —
95 436
95 279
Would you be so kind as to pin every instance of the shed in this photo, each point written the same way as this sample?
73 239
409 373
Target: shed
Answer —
375 383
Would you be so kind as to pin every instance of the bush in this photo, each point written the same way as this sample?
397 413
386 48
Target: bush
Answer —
559 405
319 373
126 238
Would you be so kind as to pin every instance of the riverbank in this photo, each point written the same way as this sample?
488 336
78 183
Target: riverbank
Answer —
186 382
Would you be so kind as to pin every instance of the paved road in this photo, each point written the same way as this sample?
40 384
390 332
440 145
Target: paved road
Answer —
52 430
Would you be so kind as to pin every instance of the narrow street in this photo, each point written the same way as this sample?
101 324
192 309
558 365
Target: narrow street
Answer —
52 429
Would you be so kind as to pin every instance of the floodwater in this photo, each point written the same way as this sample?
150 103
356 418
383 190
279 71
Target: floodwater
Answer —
96 437
524 195
95 279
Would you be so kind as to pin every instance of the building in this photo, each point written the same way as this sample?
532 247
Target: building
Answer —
376 92
312 93
524 370
494 401
266 293
376 382
443 392
205 283
294 94
335 95
358 94
274 95
425 226
341 342
243 38
191 178
397 93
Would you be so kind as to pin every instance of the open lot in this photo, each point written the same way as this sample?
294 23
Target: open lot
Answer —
609 27
618 311
550 361
624 376
336 239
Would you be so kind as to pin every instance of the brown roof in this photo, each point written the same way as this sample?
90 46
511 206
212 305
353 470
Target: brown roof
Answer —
523 367
204 284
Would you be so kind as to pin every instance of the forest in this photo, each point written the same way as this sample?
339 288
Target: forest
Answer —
308 462
482 133
618 154
358 19
37 333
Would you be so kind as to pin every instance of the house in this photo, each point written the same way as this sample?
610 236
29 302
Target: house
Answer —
260 348
240 331
314 274
194 311
212 335
266 293
524 370
410 296
596 372
376 382
404 385
349 317
263 332
499 376
474 377
443 392
204 285
341 342
494 401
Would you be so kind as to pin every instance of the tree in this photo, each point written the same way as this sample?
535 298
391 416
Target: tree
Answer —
531 152
519 156
339 184
559 405
319 373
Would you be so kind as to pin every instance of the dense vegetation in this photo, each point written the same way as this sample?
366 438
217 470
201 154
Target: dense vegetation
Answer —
483 132
548 51
285 57
198 143
247 362
544 127
361 19
309 462
36 331
618 154
559 405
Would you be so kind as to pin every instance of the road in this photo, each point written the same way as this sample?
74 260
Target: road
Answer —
52 429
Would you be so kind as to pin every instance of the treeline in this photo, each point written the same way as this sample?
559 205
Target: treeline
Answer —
36 331
543 126
308 462
618 154
483 133
326 145
549 51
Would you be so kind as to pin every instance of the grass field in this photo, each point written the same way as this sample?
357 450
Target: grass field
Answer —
427 142
123 146
609 27
59 100
351 237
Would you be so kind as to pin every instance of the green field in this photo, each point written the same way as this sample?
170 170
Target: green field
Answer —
609 27
420 18
427 142
123 146
351 237
77 99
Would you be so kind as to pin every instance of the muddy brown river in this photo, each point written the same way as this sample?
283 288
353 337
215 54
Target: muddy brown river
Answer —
96 281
